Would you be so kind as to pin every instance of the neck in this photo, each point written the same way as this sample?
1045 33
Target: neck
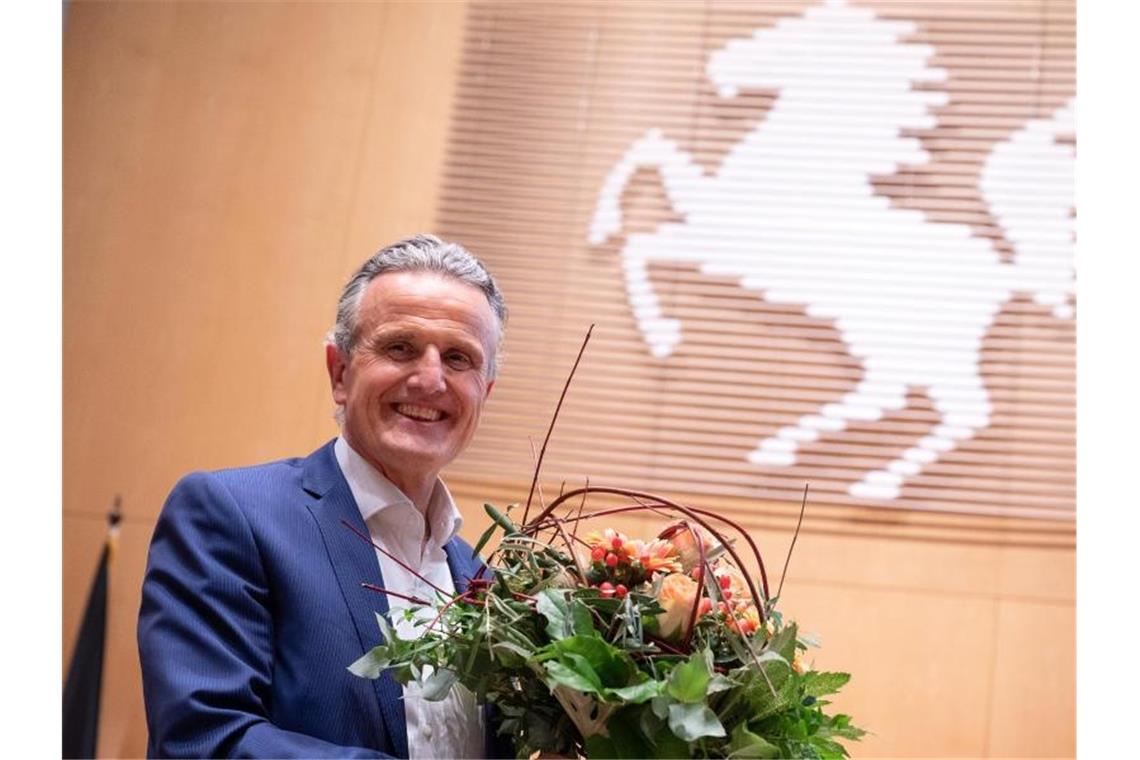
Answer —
418 488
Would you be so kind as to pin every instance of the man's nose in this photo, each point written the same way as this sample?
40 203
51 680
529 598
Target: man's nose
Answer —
427 374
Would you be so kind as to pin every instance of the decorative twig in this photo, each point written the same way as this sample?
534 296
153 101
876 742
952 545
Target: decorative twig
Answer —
542 452
693 513
368 539
389 592
787 559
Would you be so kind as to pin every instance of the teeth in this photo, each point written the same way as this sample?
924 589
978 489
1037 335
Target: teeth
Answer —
419 412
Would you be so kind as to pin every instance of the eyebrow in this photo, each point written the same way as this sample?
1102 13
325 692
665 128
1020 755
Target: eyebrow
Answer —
469 344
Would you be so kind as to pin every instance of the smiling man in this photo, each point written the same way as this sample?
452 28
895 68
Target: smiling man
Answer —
254 600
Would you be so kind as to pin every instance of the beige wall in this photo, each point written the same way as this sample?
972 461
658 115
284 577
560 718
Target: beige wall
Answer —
226 165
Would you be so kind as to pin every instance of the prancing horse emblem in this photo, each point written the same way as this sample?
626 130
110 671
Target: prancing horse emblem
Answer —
793 200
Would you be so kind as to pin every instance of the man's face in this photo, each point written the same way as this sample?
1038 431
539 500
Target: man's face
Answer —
414 385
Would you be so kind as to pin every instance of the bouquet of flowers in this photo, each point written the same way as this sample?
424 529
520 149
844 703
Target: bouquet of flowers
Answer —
593 643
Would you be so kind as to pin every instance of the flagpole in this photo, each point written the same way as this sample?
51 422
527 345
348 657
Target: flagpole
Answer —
81 691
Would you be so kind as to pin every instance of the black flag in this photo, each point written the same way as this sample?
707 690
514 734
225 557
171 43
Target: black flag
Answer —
85 676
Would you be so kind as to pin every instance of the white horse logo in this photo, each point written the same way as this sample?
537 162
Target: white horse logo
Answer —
790 198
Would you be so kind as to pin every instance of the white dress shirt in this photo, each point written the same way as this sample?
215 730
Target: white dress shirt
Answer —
453 727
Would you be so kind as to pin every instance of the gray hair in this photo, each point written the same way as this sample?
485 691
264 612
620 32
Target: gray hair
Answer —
419 253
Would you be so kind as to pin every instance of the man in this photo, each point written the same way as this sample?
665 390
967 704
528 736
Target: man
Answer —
253 604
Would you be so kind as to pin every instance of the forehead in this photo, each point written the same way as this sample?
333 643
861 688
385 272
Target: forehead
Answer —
427 300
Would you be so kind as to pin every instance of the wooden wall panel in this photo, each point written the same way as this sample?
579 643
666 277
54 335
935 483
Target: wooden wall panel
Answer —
227 165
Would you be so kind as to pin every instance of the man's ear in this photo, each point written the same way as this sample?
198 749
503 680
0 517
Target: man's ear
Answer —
490 385
336 365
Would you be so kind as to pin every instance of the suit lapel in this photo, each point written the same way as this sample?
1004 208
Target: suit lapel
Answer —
354 562
459 562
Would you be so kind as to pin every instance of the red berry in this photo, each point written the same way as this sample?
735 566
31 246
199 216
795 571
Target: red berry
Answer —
725 581
606 588
598 554
611 560
621 591
616 542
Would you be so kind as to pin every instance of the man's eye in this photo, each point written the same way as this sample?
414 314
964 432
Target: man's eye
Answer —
398 350
458 360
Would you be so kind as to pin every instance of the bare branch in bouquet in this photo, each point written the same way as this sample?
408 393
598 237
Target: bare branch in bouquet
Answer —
368 539
550 430
389 592
787 559
693 513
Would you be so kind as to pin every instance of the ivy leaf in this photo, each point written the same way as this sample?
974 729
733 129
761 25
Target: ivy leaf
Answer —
573 678
372 664
376 661
693 721
612 666
689 681
720 682
565 616
553 605
438 685
637 693
626 740
745 744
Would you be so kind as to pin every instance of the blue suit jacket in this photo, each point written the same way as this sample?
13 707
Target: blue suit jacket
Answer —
252 609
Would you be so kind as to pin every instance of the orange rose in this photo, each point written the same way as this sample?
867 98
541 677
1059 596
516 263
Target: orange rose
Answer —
677 595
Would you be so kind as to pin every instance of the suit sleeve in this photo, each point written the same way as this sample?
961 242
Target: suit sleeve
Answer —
205 635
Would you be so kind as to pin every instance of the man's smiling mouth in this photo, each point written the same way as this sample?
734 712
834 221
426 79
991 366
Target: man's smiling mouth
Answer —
422 413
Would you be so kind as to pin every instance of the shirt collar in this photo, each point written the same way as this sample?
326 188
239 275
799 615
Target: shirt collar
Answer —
374 494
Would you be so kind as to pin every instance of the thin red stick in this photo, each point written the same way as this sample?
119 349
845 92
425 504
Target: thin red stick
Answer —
558 408
389 555
389 592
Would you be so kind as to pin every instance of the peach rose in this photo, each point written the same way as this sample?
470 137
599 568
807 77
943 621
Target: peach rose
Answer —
677 595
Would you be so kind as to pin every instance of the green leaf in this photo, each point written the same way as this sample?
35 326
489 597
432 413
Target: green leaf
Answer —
637 693
504 522
372 664
438 685
666 744
818 684
745 744
614 667
483 539
627 741
553 605
598 747
784 642
693 721
509 654
689 681
582 620
720 682
574 678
